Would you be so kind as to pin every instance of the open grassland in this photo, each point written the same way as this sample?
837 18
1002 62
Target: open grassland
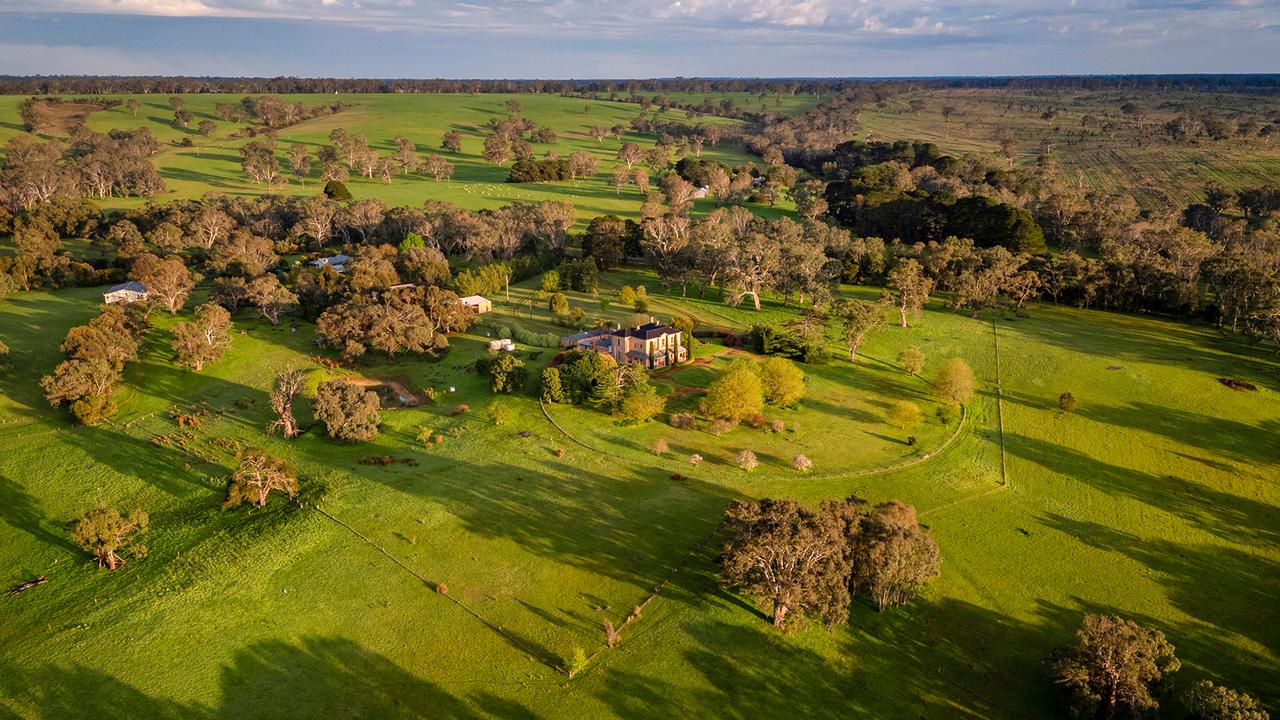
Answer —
1129 157
1157 498
213 164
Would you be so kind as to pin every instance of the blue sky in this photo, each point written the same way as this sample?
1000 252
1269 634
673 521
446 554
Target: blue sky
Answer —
638 38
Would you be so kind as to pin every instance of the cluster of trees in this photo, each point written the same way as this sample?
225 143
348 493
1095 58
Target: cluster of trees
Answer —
810 563
88 164
96 354
741 391
405 319
586 377
1118 668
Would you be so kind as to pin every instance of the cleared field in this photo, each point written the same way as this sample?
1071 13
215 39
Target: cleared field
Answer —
1157 498
213 164
1128 157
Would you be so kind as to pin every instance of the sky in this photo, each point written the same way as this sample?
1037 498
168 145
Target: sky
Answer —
636 38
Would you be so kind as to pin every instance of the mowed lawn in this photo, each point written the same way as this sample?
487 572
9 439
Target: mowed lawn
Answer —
213 164
1157 499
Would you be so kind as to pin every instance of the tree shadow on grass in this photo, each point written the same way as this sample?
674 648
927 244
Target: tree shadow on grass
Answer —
316 677
1221 587
1225 515
20 510
1231 438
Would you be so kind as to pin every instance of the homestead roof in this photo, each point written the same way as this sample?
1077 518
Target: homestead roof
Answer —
131 286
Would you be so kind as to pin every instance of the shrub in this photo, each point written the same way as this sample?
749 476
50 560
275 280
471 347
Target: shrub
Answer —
626 295
756 420
425 436
904 414
695 459
442 589
684 421
720 426
1067 402
460 410
802 463
747 460
559 452
777 426
499 413
611 635
659 447
335 190
576 663
911 360
559 304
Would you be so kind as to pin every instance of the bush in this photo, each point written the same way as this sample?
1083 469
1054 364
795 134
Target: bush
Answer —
1067 402
904 414
684 421
747 460
626 295
756 420
777 426
335 190
802 463
576 663
659 447
720 426
499 413
695 459
559 304
1207 701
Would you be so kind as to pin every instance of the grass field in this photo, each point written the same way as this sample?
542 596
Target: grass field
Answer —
213 165
1137 160
1157 498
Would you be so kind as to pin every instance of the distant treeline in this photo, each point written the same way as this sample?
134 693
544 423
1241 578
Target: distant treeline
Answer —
86 84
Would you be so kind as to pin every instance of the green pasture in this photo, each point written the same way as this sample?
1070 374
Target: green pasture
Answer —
1157 499
212 165
1128 159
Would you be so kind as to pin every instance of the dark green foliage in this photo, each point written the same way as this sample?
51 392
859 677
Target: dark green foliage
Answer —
506 372
770 340
533 171
335 190
550 388
1067 402
579 275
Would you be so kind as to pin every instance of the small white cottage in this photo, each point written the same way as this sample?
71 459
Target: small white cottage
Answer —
127 292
